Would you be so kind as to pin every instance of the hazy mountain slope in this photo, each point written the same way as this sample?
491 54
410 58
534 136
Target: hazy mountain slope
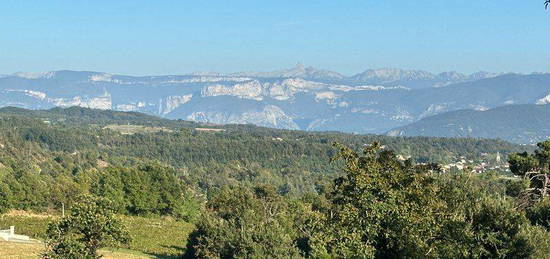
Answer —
415 79
275 100
527 124
299 71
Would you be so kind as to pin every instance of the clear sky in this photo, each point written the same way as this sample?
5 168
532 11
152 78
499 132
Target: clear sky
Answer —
174 37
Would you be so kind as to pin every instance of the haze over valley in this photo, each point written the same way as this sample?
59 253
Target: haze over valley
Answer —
301 98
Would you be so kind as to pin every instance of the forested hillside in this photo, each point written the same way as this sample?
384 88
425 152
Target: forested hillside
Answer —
289 182
77 141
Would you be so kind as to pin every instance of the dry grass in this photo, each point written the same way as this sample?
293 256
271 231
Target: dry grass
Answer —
133 129
20 250
123 253
10 250
28 214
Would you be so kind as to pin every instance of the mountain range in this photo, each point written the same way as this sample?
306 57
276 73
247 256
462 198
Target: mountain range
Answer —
383 76
375 101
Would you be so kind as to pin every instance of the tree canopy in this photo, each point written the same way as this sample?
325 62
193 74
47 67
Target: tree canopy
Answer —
380 207
91 225
534 168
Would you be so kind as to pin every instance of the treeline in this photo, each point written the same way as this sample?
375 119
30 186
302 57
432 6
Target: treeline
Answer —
77 129
141 190
78 116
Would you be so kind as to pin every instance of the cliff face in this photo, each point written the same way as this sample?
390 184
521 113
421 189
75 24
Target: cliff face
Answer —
302 98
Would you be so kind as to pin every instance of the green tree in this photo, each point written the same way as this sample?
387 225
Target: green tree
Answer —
90 226
240 223
539 214
147 189
534 168
384 208
495 231
380 208
4 197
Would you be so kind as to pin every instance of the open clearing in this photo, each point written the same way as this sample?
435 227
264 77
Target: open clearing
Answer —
133 129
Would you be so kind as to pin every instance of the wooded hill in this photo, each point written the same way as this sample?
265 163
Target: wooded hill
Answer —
75 141
282 181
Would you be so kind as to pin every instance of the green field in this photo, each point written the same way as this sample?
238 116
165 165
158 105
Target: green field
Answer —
153 237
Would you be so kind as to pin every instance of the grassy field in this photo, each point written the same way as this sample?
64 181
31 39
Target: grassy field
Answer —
153 237
133 129
158 236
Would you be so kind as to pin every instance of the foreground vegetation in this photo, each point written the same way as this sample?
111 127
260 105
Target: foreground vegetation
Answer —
149 236
250 192
380 208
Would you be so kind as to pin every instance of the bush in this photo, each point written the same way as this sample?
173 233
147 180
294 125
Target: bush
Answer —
539 214
497 231
90 226
240 223
515 187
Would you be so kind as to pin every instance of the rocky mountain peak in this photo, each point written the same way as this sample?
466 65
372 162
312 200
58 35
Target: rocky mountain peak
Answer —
451 76
298 71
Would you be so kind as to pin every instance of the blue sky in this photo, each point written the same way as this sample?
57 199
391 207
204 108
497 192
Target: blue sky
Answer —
174 37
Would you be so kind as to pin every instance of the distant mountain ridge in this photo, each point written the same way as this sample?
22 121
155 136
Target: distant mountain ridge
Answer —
524 124
299 71
417 78
381 76
298 98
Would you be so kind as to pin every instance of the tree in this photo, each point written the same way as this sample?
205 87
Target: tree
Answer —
381 208
4 197
539 214
90 226
243 223
147 189
385 208
536 169
496 231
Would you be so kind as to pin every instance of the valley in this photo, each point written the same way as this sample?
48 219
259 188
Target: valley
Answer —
300 98
163 177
